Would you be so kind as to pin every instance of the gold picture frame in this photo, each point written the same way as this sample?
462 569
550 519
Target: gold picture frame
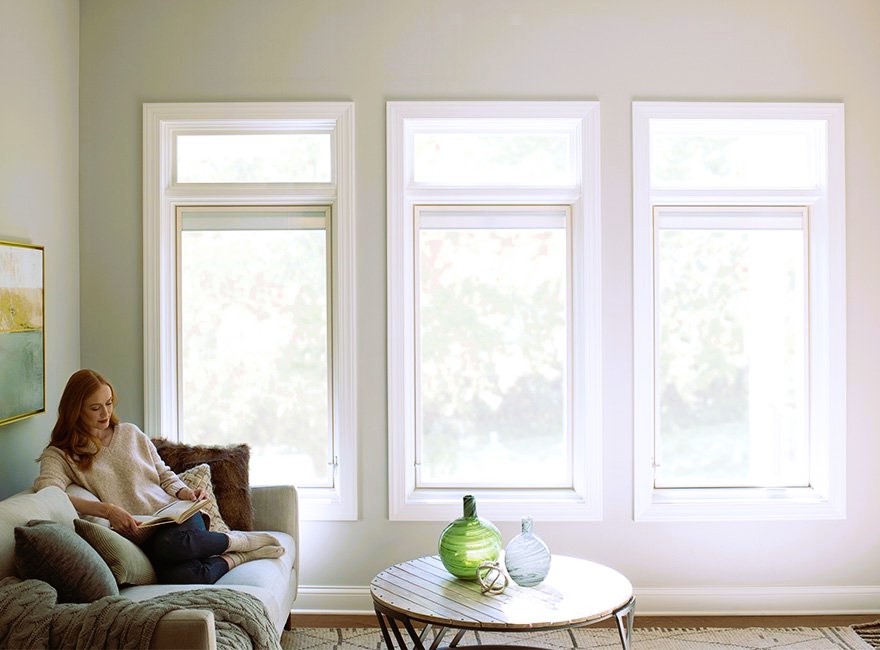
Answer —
22 332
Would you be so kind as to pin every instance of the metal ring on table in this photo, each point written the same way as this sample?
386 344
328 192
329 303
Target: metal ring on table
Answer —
488 575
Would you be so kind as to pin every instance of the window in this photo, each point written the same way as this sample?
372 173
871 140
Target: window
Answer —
249 310
491 306
253 337
739 299
494 324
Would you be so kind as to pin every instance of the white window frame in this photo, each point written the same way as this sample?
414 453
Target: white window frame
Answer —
162 196
825 498
583 499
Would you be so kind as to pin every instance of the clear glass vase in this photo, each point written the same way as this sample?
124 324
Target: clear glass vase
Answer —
469 541
527 557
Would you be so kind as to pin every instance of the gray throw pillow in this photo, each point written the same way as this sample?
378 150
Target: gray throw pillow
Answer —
52 552
129 564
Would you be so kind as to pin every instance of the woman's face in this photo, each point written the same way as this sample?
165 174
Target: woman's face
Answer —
97 409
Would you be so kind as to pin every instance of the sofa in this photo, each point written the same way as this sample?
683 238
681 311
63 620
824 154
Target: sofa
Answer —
272 581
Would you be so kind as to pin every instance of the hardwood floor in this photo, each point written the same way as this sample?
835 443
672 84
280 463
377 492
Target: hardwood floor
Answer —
337 620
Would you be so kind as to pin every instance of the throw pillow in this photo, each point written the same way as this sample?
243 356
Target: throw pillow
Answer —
200 477
129 564
52 552
229 476
17 510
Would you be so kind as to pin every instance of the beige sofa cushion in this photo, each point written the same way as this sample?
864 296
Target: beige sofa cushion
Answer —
50 503
272 581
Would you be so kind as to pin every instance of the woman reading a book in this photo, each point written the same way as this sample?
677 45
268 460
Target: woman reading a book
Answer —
118 463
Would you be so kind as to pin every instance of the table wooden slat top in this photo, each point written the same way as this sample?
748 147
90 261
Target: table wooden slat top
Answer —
575 592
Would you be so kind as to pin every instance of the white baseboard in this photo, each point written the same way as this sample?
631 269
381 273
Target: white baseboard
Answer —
333 600
651 601
756 601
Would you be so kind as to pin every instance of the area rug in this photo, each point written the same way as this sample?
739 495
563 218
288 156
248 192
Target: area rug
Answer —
870 632
754 638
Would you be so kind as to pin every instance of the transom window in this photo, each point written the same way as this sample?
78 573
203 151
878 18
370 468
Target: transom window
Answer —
494 373
253 158
494 152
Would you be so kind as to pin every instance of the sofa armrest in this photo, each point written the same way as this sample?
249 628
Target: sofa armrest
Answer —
185 628
276 507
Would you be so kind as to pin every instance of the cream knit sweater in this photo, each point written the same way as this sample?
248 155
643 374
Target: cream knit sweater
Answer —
128 472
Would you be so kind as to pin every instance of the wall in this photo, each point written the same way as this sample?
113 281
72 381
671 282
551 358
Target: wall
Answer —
616 51
39 194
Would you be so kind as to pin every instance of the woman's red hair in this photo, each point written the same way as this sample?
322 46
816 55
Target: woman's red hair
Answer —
70 434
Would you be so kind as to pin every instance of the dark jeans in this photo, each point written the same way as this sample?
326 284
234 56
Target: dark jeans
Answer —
187 553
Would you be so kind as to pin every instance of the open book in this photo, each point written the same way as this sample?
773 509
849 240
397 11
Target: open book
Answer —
175 512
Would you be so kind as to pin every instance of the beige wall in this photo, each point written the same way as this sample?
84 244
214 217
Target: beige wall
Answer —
39 125
615 51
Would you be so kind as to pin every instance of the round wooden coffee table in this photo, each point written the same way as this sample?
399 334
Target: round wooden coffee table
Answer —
421 600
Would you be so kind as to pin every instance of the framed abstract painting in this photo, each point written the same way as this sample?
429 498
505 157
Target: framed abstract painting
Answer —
22 336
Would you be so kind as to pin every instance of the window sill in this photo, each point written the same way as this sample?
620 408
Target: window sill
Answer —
736 504
497 505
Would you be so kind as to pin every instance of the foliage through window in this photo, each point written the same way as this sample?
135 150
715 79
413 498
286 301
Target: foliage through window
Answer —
492 313
730 372
254 337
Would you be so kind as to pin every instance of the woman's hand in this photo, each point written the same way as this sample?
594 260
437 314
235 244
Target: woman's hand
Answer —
120 520
187 494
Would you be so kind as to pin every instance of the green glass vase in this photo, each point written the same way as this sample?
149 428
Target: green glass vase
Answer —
469 541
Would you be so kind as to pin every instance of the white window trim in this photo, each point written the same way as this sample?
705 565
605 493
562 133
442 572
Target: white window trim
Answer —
162 196
826 496
583 501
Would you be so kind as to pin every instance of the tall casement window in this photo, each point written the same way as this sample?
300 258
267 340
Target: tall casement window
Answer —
249 304
739 305
493 314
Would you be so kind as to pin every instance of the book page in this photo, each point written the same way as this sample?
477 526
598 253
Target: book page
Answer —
176 512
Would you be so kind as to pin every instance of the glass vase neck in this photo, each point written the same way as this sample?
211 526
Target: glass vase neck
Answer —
470 506
527 524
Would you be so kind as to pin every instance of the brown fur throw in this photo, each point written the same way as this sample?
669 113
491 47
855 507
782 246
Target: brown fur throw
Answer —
229 476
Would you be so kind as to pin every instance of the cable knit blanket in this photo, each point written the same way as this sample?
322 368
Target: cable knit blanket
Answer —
31 618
